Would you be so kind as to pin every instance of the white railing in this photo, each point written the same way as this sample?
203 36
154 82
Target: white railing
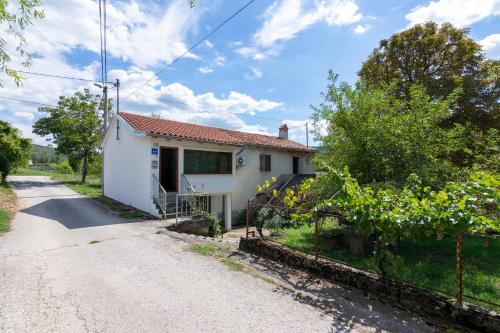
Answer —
189 204
159 195
186 187
189 201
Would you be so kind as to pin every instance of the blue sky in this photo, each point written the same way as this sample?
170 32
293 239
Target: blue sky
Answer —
266 66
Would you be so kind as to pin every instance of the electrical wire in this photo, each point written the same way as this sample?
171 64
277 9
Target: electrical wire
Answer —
210 110
105 48
51 75
101 40
26 101
192 47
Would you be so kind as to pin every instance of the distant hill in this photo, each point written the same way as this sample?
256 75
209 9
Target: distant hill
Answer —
44 154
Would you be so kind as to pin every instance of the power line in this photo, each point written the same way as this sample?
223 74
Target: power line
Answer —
210 110
105 48
51 75
101 39
192 47
26 101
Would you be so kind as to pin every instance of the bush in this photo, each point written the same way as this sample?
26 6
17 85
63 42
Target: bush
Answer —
63 167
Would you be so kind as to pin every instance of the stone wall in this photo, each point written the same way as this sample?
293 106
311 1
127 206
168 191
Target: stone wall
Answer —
394 292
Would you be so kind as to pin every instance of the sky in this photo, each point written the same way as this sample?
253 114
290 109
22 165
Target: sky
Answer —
266 66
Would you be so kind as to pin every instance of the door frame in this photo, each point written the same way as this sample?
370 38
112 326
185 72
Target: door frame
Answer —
295 158
176 149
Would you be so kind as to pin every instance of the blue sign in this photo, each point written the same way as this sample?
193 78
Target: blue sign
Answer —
154 151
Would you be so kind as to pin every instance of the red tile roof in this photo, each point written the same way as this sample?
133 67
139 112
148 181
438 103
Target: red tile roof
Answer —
158 126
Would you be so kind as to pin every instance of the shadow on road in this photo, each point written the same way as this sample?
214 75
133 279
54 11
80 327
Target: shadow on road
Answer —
350 306
75 213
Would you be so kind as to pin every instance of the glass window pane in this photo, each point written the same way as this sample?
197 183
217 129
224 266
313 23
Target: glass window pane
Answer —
225 162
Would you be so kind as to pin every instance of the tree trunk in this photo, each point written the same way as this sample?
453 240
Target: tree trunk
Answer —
459 268
85 167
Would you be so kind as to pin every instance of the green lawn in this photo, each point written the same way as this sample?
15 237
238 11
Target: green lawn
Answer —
92 188
7 206
429 263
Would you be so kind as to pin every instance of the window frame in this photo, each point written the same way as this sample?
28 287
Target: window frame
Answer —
218 171
265 162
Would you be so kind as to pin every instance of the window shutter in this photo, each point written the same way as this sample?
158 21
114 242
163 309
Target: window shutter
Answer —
262 162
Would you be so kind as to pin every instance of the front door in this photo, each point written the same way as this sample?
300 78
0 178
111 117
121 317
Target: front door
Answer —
168 169
295 165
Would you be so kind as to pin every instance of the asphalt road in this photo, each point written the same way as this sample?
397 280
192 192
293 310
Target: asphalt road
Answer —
132 280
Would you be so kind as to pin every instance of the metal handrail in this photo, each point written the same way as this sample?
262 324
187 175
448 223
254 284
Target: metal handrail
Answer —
186 187
159 195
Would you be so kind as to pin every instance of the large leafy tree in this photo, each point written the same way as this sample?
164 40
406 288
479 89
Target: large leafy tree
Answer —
17 18
14 150
441 58
381 137
74 126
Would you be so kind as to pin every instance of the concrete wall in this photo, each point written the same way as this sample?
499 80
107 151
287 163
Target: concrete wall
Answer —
127 175
436 308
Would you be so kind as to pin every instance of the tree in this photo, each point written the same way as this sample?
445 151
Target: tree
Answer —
75 126
381 137
16 22
441 58
14 150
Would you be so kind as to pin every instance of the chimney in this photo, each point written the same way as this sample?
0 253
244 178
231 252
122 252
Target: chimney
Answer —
283 132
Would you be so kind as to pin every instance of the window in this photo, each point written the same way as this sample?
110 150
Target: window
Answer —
117 130
265 162
207 162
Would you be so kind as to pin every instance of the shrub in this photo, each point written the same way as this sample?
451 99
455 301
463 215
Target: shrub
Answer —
63 167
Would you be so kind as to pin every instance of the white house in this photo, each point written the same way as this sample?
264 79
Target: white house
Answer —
153 164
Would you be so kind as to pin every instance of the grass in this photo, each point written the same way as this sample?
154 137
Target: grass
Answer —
92 187
210 250
428 263
234 265
4 221
94 242
7 206
219 252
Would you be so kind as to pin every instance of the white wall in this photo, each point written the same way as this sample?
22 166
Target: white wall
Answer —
127 176
249 176
128 169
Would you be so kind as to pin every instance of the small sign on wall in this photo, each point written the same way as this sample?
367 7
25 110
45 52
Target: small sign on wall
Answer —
154 164
154 151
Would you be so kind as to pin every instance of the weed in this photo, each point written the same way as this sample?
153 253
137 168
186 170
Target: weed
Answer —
234 265
94 242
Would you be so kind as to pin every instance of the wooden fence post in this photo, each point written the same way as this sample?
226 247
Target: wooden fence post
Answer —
459 268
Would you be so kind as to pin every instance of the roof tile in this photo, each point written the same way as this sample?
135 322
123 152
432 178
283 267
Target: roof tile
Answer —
158 126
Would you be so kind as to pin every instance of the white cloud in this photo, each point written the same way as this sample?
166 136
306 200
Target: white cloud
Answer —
361 29
283 20
205 70
209 44
144 37
460 13
297 130
254 73
24 115
183 104
220 61
491 45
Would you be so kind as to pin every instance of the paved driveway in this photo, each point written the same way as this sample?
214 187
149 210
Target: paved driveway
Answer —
52 279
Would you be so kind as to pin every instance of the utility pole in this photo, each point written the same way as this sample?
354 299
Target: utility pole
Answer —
307 135
117 85
105 98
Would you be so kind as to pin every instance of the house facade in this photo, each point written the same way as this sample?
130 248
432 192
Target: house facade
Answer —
154 164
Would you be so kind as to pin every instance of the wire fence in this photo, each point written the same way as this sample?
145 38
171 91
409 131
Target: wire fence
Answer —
253 207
